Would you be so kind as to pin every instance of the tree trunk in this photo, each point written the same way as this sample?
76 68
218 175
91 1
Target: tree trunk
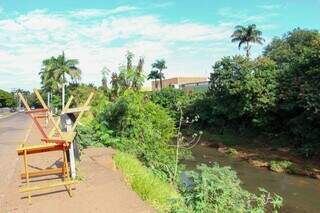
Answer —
160 79
248 50
156 83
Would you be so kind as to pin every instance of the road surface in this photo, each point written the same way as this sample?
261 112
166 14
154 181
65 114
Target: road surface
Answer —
12 132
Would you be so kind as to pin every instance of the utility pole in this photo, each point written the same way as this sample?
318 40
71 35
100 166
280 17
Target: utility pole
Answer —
63 95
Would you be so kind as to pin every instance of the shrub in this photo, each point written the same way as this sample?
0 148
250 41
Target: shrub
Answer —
170 99
6 99
135 124
158 193
281 166
217 189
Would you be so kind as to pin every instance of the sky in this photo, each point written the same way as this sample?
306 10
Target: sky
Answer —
189 35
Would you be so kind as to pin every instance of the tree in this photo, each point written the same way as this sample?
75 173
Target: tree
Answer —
56 70
105 73
243 91
297 55
131 76
247 35
154 74
6 99
160 65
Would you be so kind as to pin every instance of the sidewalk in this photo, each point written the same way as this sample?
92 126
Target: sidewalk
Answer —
102 188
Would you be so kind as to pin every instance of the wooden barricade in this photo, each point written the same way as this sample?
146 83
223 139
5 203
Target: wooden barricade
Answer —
52 140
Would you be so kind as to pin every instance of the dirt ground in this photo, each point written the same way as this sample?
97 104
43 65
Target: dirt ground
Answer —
101 189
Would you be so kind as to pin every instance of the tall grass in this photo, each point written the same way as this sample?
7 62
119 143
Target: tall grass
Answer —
158 193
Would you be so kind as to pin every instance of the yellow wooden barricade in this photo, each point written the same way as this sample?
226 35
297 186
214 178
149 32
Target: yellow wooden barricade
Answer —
55 140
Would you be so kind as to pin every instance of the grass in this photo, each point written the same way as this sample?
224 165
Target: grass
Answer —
158 193
280 166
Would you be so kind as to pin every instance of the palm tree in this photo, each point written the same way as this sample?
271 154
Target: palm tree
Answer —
160 65
155 75
55 71
247 35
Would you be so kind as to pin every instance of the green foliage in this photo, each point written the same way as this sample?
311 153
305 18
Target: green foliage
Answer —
55 70
159 65
134 124
243 90
247 35
277 93
281 166
233 152
129 77
298 58
171 99
217 189
80 92
6 99
158 193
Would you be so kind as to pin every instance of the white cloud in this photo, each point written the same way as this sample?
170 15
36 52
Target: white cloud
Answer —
241 16
163 4
270 6
89 13
27 39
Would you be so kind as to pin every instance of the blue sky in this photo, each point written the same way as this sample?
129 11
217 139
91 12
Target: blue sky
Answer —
190 35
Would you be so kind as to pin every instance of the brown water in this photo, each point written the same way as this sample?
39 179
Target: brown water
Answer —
300 194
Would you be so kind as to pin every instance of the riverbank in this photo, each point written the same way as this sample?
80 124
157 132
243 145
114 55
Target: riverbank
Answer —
300 194
275 157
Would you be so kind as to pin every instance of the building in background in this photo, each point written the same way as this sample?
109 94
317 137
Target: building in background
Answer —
188 83
200 86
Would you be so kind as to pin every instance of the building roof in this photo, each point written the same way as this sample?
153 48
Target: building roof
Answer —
184 80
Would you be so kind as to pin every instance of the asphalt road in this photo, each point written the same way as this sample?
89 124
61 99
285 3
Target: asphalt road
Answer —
12 133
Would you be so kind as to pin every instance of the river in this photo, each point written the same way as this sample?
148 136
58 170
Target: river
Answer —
300 194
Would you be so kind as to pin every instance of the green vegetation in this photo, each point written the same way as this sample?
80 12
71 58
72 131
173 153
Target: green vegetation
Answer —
217 189
171 99
281 166
129 77
138 124
274 94
159 66
155 75
247 35
55 70
6 99
158 193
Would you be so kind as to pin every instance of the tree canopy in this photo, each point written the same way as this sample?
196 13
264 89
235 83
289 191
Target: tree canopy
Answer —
247 35
55 71
160 65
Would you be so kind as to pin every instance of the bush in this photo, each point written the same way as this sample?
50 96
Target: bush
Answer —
158 193
281 166
170 99
217 189
6 99
136 125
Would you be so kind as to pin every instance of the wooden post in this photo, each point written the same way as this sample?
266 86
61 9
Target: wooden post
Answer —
25 161
71 151
66 166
